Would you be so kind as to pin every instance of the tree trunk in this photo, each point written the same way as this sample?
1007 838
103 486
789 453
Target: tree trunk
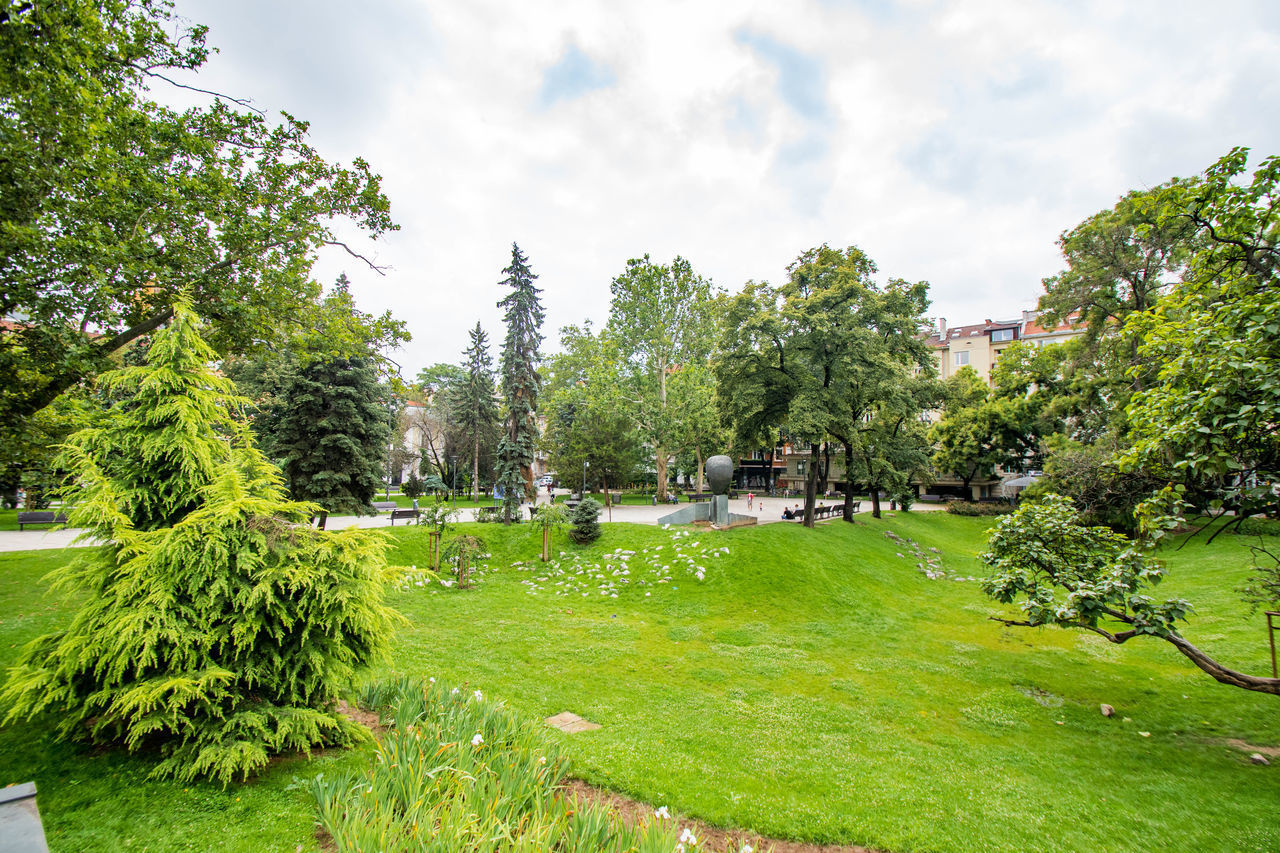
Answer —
811 485
546 544
660 462
434 536
699 457
847 513
1221 673
875 501
475 468
823 481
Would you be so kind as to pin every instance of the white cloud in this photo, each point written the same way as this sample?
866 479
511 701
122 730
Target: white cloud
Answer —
952 141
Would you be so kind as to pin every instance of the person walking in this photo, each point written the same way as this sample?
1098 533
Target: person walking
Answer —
751 498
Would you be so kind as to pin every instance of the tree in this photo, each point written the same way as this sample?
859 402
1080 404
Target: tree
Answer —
829 354
1212 414
213 624
550 518
520 384
112 205
587 421
329 428
586 521
1064 573
662 321
473 410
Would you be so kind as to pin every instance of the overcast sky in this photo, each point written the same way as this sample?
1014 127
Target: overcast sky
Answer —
951 141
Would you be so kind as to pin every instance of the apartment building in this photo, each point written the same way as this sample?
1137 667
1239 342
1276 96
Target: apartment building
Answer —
979 345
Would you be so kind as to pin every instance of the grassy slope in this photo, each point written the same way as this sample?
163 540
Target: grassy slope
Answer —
815 686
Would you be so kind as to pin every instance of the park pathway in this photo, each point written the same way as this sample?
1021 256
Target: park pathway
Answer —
767 510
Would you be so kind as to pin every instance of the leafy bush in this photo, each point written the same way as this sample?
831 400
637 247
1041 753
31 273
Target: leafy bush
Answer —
975 509
586 522
216 626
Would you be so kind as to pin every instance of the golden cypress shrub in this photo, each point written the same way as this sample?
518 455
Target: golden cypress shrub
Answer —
217 627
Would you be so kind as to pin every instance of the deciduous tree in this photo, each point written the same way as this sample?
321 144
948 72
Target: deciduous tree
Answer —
112 205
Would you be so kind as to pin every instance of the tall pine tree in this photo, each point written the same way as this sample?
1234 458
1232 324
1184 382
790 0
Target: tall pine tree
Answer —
472 406
520 381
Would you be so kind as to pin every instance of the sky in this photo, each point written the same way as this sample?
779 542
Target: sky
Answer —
950 141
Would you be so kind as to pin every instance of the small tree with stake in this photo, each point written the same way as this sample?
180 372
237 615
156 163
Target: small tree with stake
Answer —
438 517
586 522
462 553
549 518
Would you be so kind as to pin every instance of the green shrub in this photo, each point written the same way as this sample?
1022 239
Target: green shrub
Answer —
968 508
216 627
586 522
412 487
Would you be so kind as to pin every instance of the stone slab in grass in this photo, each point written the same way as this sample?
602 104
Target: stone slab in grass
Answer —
567 721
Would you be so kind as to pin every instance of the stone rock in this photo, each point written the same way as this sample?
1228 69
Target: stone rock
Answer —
719 474
1259 758
1107 710
567 721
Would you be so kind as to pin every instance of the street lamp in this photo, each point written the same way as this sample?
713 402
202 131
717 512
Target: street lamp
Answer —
453 493
585 463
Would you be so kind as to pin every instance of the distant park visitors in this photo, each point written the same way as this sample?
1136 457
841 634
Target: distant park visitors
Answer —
751 499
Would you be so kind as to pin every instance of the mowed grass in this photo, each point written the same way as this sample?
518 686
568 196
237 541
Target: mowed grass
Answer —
814 686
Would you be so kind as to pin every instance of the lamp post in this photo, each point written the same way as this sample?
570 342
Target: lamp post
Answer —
453 493
585 463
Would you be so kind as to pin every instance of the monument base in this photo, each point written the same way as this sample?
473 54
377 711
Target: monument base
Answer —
714 512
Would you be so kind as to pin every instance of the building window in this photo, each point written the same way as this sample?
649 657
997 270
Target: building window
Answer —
962 358
800 468
1001 335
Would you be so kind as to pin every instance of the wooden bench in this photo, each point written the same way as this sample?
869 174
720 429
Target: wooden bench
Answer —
385 506
403 513
693 499
40 517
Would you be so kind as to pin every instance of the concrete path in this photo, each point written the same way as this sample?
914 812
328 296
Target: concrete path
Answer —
767 510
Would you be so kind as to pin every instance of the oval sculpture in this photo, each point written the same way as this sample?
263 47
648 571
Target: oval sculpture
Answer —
719 474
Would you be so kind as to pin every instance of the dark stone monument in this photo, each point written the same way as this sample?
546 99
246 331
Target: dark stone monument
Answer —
719 475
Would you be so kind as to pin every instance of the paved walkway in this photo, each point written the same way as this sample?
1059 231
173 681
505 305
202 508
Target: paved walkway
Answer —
767 510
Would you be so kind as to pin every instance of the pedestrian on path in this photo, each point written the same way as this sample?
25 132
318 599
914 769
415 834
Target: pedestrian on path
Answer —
751 499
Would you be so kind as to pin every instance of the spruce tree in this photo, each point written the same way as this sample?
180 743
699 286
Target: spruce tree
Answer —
520 383
472 407
586 521
329 431
215 627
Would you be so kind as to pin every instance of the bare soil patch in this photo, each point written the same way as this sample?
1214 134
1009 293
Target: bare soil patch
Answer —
633 813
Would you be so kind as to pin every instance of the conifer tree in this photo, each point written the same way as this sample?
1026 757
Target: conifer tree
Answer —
216 627
472 406
520 383
329 431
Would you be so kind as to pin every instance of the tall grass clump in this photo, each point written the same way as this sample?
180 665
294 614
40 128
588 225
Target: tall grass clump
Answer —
455 772
217 628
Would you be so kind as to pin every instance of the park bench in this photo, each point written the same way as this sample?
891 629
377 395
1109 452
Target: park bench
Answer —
704 496
40 517
384 506
403 513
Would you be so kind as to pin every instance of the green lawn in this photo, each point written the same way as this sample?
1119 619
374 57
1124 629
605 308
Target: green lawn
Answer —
815 685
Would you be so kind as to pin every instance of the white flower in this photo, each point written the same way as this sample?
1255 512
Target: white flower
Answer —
687 837
477 740
542 759
747 848
432 679
453 692
478 695
662 813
